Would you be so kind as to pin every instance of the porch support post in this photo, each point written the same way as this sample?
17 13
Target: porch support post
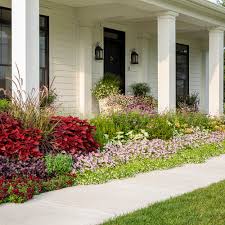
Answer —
25 45
204 97
216 71
85 71
167 62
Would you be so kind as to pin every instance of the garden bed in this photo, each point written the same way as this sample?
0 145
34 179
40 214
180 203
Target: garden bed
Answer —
41 152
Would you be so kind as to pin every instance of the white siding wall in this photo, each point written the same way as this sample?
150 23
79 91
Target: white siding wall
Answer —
63 51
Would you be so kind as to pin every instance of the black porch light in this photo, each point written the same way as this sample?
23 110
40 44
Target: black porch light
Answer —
98 52
134 57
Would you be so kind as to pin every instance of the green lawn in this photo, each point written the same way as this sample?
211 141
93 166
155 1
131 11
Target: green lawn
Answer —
201 207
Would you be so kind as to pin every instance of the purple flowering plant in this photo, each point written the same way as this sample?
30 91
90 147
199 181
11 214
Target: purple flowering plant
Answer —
115 154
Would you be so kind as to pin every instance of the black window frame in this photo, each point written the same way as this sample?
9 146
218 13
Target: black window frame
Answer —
46 30
187 87
9 23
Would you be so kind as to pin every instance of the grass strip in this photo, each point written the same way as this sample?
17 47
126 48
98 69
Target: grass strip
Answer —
202 207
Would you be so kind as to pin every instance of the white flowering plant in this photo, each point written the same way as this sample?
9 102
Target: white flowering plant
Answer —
107 86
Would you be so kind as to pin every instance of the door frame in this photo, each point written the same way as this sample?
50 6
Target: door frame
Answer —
122 39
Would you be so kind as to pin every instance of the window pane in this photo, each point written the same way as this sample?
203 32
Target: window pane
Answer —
5 77
43 23
182 70
5 44
43 77
44 49
5 15
6 48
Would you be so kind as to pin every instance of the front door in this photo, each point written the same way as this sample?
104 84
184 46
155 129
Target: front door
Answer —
114 54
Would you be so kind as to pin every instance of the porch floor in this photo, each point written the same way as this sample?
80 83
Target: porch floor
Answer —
89 205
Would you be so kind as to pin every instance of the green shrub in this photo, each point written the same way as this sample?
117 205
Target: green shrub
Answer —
160 127
193 119
107 127
140 89
59 165
4 105
117 125
109 85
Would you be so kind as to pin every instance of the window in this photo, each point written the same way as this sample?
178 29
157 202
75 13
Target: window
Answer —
6 48
44 51
182 64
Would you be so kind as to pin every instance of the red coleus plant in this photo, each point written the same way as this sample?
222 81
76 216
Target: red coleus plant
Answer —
73 135
16 142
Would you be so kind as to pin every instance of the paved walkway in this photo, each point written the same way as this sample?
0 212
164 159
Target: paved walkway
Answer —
90 205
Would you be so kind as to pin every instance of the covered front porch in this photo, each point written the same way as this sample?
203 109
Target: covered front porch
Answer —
180 47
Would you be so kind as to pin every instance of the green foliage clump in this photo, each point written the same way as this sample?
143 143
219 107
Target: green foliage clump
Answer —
109 85
140 89
192 119
108 126
59 164
4 105
123 138
160 127
111 127
59 182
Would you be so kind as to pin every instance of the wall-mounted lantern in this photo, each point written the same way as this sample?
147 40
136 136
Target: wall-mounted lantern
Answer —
98 52
134 57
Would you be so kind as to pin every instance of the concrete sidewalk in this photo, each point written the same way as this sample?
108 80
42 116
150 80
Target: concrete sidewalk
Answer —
87 205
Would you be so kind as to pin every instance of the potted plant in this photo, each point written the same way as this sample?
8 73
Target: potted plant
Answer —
107 86
140 89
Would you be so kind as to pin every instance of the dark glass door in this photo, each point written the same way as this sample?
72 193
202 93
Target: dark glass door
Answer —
182 64
114 54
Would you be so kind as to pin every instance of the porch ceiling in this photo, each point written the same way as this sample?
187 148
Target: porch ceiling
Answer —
83 3
144 13
145 18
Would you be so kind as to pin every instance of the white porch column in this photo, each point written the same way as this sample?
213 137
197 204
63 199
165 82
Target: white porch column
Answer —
204 97
25 44
85 73
167 62
216 72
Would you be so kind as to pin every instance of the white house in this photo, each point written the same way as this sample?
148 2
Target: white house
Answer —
179 42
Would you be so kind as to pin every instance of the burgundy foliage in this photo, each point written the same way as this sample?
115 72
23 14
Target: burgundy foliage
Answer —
73 135
32 167
17 142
